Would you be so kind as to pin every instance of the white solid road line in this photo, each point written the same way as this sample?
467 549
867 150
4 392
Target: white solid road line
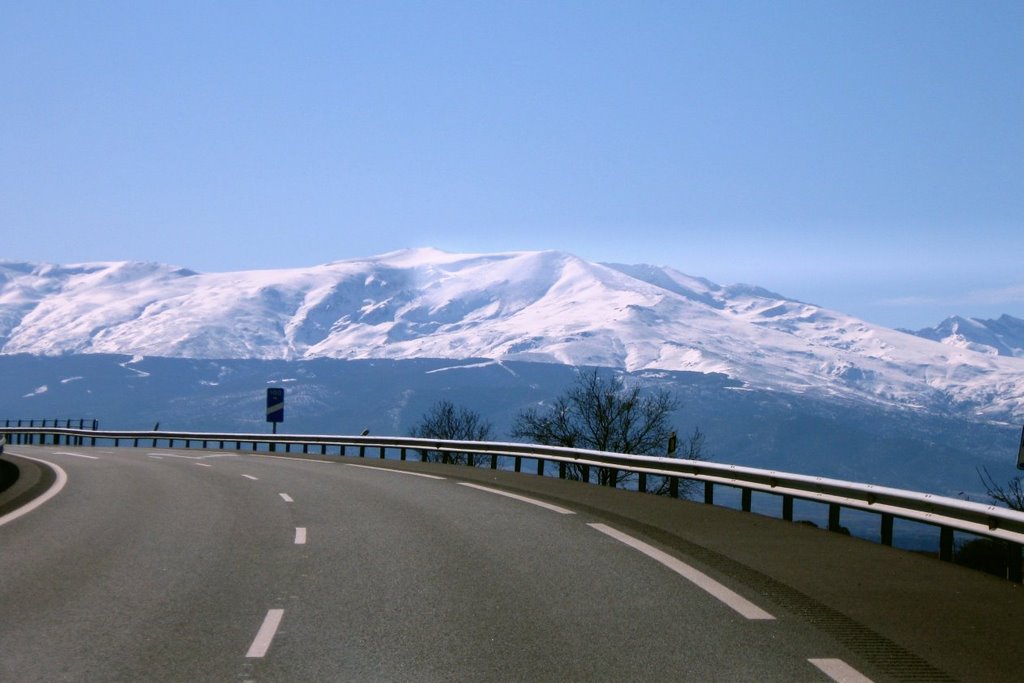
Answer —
695 576
202 464
249 476
286 498
391 471
58 485
839 671
261 643
156 457
77 455
300 535
524 499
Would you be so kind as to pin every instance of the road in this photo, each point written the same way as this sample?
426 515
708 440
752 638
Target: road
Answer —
174 565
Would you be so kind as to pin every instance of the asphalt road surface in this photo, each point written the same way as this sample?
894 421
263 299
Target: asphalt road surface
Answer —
175 565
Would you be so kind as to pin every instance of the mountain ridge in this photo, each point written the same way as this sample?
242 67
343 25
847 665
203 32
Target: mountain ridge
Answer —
545 306
1003 336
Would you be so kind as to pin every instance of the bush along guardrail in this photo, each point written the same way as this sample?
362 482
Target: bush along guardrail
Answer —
950 515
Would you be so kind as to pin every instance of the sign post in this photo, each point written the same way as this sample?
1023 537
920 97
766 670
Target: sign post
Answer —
275 406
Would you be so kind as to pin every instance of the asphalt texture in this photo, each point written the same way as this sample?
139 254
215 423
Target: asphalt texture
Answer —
162 565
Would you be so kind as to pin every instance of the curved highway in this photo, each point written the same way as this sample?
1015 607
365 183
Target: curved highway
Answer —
174 565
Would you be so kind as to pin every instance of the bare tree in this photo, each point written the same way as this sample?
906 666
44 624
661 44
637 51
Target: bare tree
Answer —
1012 496
600 412
447 421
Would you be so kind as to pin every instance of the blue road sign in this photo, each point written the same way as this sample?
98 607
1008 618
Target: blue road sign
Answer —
1020 453
275 405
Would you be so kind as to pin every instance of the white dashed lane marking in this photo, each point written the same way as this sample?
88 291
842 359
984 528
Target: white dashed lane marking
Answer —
266 634
391 471
77 455
839 671
522 499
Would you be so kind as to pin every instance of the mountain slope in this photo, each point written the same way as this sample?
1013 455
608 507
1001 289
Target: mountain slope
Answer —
530 306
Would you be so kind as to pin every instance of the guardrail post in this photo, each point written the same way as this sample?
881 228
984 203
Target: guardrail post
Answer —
540 467
382 453
787 508
745 496
946 544
886 535
1013 562
561 470
362 451
518 466
834 511
673 487
709 493
402 454
613 474
273 447
586 473
641 485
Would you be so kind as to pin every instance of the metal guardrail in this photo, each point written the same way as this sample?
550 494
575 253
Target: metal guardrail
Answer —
70 422
948 514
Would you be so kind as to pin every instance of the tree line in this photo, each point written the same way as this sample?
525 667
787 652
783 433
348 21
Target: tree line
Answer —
598 412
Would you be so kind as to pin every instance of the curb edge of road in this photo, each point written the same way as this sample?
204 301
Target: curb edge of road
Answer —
33 480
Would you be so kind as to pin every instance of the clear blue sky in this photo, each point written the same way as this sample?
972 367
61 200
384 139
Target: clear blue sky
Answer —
866 156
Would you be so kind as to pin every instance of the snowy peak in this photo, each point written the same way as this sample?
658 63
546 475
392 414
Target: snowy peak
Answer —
534 306
1002 337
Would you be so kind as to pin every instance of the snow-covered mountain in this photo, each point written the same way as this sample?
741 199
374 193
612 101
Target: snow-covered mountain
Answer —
1001 337
531 306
